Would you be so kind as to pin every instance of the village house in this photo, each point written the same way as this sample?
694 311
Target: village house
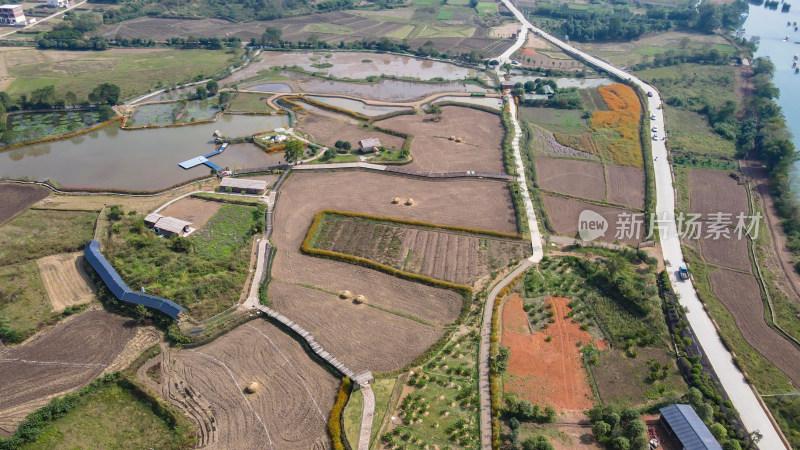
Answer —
168 226
239 185
369 145
12 15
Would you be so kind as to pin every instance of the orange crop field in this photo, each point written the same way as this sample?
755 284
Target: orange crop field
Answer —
544 372
617 131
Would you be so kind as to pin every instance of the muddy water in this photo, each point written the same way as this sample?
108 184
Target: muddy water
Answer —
496 103
139 159
270 87
361 65
386 90
357 106
563 83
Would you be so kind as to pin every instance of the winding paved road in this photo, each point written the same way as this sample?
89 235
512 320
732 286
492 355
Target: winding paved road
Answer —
744 398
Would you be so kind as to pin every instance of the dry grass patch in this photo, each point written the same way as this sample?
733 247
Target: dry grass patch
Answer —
715 191
66 282
326 131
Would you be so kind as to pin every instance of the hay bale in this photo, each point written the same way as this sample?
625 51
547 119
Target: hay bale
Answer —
396 200
410 202
451 138
458 139
360 299
252 387
345 294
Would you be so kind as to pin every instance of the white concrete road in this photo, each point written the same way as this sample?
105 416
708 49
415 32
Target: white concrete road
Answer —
743 397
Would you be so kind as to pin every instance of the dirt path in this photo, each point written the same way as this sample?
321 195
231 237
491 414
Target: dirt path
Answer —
760 186
367 412
414 103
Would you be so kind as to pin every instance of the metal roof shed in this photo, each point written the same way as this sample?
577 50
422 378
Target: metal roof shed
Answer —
684 422
244 184
171 225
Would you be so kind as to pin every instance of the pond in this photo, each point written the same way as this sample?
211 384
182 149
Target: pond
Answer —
355 65
357 106
174 112
138 159
269 87
30 126
491 102
386 90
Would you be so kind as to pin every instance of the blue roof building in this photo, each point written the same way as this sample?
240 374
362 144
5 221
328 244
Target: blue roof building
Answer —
121 290
684 423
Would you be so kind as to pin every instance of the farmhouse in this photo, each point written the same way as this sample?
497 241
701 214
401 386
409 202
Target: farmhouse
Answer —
60 3
242 185
369 145
12 15
507 85
151 219
685 425
170 226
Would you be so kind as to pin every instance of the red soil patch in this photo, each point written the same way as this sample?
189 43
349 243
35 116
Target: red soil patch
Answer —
546 372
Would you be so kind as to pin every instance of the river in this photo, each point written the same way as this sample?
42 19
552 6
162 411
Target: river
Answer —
770 26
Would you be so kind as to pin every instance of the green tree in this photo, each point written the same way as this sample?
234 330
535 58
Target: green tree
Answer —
500 362
537 443
620 443
719 431
346 146
601 429
293 150
212 87
70 99
436 112
271 37
201 93
107 93
105 113
224 99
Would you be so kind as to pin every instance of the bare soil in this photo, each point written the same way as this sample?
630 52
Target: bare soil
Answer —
194 210
438 154
16 198
289 410
741 295
57 361
625 185
327 131
478 128
446 202
546 373
564 213
457 257
579 178
713 191
730 253
66 282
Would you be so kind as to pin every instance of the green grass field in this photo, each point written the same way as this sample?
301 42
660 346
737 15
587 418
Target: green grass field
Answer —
352 417
38 233
382 389
432 31
327 28
206 278
565 121
688 131
107 417
135 71
24 303
401 33
715 83
444 14
250 102
486 8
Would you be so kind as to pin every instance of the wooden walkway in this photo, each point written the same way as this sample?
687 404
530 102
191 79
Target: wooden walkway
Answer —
312 342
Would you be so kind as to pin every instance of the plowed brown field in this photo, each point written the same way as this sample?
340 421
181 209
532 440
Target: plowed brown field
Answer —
17 197
453 256
741 295
327 131
714 191
567 176
59 360
546 372
66 282
438 154
625 185
289 410
727 252
194 210
445 202
564 213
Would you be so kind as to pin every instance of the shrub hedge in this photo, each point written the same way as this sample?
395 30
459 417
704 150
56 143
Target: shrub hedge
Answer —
335 421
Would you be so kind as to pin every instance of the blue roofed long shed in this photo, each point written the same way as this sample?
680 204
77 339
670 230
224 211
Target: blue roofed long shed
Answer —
685 424
121 290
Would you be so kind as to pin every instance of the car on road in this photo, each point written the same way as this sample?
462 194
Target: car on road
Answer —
652 117
514 62
655 137
654 129
649 94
